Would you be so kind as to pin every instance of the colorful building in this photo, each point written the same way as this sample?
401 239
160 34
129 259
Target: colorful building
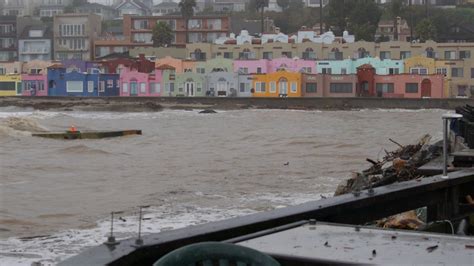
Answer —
34 84
322 85
349 66
135 83
191 84
401 85
10 85
222 84
218 64
140 64
179 65
94 83
251 66
277 84
291 65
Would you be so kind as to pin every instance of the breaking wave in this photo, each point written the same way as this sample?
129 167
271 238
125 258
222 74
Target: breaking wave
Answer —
20 126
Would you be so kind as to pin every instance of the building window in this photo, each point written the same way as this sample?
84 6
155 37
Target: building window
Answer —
393 71
244 87
267 55
326 71
259 86
273 86
384 87
247 54
419 70
259 70
335 54
343 71
442 71
102 86
142 87
411 87
457 72
155 88
3 71
362 53
464 54
74 86
228 55
169 87
294 87
340 87
90 86
125 87
311 87
200 70
243 70
430 53
472 73
450 55
405 54
309 54
385 55
286 54
306 70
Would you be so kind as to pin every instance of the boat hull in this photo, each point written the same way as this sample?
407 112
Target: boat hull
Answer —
87 135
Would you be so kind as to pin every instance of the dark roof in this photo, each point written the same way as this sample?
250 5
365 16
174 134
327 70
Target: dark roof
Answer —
125 55
136 2
252 26
95 5
47 34
166 4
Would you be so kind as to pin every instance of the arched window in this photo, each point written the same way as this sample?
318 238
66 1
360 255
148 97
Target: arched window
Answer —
309 54
362 53
430 53
283 86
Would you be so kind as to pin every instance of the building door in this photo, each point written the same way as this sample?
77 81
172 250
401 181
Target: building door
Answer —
189 88
221 89
133 88
283 87
364 88
426 88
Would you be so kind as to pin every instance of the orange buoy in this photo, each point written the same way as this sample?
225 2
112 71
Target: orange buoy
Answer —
73 128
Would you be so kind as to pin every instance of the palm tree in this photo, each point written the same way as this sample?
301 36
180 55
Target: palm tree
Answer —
187 11
260 6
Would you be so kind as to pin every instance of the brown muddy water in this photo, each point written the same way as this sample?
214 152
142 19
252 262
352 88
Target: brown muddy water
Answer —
245 159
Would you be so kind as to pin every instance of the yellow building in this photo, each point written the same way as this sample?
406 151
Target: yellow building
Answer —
456 82
277 84
10 85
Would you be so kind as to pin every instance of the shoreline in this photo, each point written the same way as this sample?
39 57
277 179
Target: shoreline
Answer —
147 104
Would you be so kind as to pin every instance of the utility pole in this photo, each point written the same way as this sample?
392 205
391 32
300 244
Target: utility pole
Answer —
320 17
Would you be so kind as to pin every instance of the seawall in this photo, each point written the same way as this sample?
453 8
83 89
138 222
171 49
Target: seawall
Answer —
157 103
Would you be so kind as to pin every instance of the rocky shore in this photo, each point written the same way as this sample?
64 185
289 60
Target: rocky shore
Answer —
149 104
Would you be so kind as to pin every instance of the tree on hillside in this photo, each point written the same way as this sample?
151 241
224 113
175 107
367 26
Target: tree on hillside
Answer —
187 12
283 4
426 30
162 35
72 7
260 6
295 4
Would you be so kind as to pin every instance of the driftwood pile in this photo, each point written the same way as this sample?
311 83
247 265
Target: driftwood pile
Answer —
396 166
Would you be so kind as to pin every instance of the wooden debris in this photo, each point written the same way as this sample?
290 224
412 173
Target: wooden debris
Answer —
396 166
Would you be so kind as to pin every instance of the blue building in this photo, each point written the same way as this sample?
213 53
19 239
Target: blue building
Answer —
87 84
349 66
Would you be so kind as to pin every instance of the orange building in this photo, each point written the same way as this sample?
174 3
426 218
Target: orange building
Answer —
277 84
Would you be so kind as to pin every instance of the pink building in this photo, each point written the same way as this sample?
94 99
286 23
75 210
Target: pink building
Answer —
409 86
134 83
34 85
251 66
292 65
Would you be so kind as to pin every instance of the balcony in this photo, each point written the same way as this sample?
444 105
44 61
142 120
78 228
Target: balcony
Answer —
35 51
309 55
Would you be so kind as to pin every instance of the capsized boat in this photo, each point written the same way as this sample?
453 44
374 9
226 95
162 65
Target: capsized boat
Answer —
88 134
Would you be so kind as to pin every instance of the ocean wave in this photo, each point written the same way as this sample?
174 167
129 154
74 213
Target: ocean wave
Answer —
82 149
